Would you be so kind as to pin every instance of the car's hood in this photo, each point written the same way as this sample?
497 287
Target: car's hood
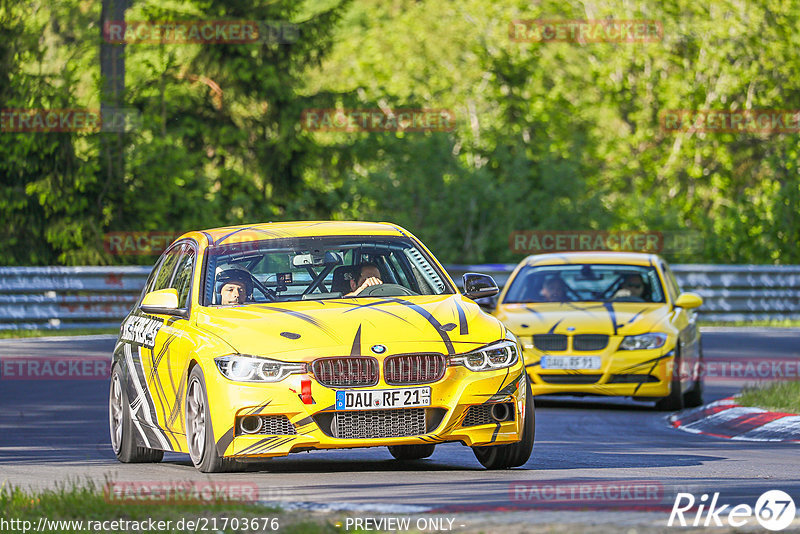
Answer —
447 324
612 318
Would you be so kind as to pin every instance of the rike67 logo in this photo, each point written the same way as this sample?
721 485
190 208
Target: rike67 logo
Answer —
774 510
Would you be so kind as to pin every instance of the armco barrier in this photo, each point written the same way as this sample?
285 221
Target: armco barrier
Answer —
55 298
730 292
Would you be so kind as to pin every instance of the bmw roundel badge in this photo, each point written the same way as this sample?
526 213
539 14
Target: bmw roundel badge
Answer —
378 349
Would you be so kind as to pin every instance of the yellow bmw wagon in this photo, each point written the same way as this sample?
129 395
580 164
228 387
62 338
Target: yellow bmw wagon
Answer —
605 323
258 341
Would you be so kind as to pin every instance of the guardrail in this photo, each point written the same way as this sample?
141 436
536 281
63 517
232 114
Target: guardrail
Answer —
56 298
730 292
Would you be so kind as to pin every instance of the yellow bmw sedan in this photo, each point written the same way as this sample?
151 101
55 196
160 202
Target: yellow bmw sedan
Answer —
605 323
258 341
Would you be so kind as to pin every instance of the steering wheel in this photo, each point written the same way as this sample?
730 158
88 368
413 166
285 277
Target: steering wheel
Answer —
609 292
386 290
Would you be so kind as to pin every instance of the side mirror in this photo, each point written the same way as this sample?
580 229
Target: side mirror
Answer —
479 285
689 300
162 302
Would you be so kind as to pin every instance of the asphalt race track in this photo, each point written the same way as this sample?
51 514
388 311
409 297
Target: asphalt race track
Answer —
53 431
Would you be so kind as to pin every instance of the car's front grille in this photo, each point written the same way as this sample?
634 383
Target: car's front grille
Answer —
632 379
570 379
589 342
347 371
550 342
366 424
414 368
378 424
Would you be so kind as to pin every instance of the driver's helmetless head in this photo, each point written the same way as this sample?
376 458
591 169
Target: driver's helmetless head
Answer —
367 270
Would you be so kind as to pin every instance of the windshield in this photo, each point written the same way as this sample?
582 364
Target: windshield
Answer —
279 270
587 282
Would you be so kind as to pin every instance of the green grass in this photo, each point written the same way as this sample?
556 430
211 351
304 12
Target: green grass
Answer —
87 502
9 334
777 397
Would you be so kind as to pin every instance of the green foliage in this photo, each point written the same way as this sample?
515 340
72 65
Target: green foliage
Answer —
550 136
46 183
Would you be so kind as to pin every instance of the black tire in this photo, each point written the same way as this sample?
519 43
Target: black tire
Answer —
694 397
674 401
412 452
513 454
203 450
123 440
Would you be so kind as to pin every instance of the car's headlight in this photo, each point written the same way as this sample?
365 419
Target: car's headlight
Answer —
244 368
495 356
642 342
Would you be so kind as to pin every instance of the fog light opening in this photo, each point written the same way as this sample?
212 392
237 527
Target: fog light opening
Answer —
250 424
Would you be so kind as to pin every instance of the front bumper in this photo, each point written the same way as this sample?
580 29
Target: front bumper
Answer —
625 373
451 399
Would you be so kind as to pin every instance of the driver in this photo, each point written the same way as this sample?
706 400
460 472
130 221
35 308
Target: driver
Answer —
632 286
554 290
368 275
236 286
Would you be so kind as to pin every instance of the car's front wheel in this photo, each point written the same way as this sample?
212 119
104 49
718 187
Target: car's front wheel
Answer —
199 432
694 397
674 401
514 454
123 442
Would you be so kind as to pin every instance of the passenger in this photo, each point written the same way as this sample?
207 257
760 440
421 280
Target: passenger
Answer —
368 275
554 290
237 285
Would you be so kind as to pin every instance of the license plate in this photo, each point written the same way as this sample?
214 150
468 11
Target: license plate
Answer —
570 362
383 398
